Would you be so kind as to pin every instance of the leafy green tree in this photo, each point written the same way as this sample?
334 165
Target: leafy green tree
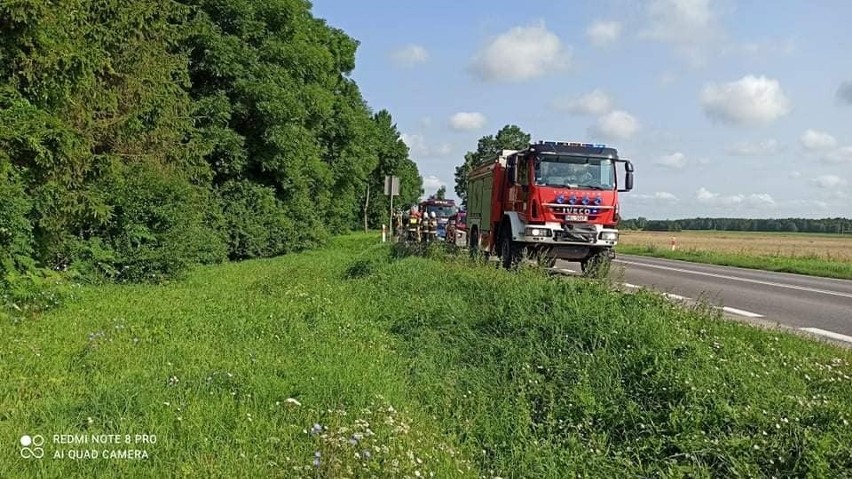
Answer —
510 137
393 161
441 194
140 137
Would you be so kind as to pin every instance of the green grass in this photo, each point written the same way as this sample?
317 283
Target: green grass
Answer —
813 266
434 365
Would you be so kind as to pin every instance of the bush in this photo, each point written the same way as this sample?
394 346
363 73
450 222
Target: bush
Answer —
25 295
257 223
16 236
160 227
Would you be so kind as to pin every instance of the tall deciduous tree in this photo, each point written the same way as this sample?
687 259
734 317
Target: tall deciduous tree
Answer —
392 161
138 137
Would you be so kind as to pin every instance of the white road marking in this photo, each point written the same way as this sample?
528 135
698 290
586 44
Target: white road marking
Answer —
741 312
828 334
723 276
677 297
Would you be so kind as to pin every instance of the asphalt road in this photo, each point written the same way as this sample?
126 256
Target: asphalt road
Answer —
820 306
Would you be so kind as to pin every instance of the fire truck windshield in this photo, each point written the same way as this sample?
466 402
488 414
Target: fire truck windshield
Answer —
442 211
575 172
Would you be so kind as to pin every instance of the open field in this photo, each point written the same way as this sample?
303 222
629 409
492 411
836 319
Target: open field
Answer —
804 253
350 362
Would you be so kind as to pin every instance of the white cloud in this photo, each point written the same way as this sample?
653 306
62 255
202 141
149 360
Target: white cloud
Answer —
522 53
675 160
680 21
409 56
817 140
467 120
432 182
754 200
826 146
688 25
616 125
844 92
750 100
795 174
426 122
829 182
658 196
420 148
840 155
596 102
760 148
602 33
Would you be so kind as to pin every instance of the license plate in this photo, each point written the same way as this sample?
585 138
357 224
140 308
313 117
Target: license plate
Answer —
576 218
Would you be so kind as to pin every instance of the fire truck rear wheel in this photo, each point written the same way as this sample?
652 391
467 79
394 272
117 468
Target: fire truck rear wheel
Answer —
473 244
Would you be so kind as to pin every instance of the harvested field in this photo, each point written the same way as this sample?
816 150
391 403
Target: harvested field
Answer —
793 245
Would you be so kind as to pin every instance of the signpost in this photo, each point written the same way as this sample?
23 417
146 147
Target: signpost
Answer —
391 189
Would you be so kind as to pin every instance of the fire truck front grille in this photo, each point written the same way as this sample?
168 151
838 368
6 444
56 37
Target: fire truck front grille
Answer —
575 233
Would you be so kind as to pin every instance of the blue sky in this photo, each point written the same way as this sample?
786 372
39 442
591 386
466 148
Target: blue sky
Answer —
726 107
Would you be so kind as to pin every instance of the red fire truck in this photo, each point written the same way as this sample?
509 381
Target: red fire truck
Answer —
552 200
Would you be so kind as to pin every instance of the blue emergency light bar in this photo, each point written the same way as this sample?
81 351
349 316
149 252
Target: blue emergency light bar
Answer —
572 143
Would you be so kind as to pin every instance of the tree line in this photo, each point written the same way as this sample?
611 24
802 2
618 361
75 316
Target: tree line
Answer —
139 137
804 225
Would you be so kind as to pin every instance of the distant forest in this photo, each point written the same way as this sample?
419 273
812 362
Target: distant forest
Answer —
803 225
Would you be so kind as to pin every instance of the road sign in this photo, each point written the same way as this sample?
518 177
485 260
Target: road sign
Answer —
391 189
392 185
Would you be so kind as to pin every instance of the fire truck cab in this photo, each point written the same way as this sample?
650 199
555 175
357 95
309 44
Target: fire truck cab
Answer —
552 200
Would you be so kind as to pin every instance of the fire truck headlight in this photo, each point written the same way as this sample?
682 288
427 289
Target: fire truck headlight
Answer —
609 236
542 232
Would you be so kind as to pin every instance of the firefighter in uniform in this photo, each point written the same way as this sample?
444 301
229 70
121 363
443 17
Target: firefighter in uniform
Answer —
424 227
433 227
413 226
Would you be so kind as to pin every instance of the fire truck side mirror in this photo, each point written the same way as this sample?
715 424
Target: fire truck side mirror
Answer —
628 177
628 181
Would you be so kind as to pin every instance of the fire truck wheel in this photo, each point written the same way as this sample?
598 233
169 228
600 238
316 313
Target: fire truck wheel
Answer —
510 253
473 244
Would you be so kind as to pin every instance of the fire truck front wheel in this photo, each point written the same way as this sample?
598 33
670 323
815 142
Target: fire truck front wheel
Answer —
510 251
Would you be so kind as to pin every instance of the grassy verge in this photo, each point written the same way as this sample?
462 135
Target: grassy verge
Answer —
345 362
813 266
